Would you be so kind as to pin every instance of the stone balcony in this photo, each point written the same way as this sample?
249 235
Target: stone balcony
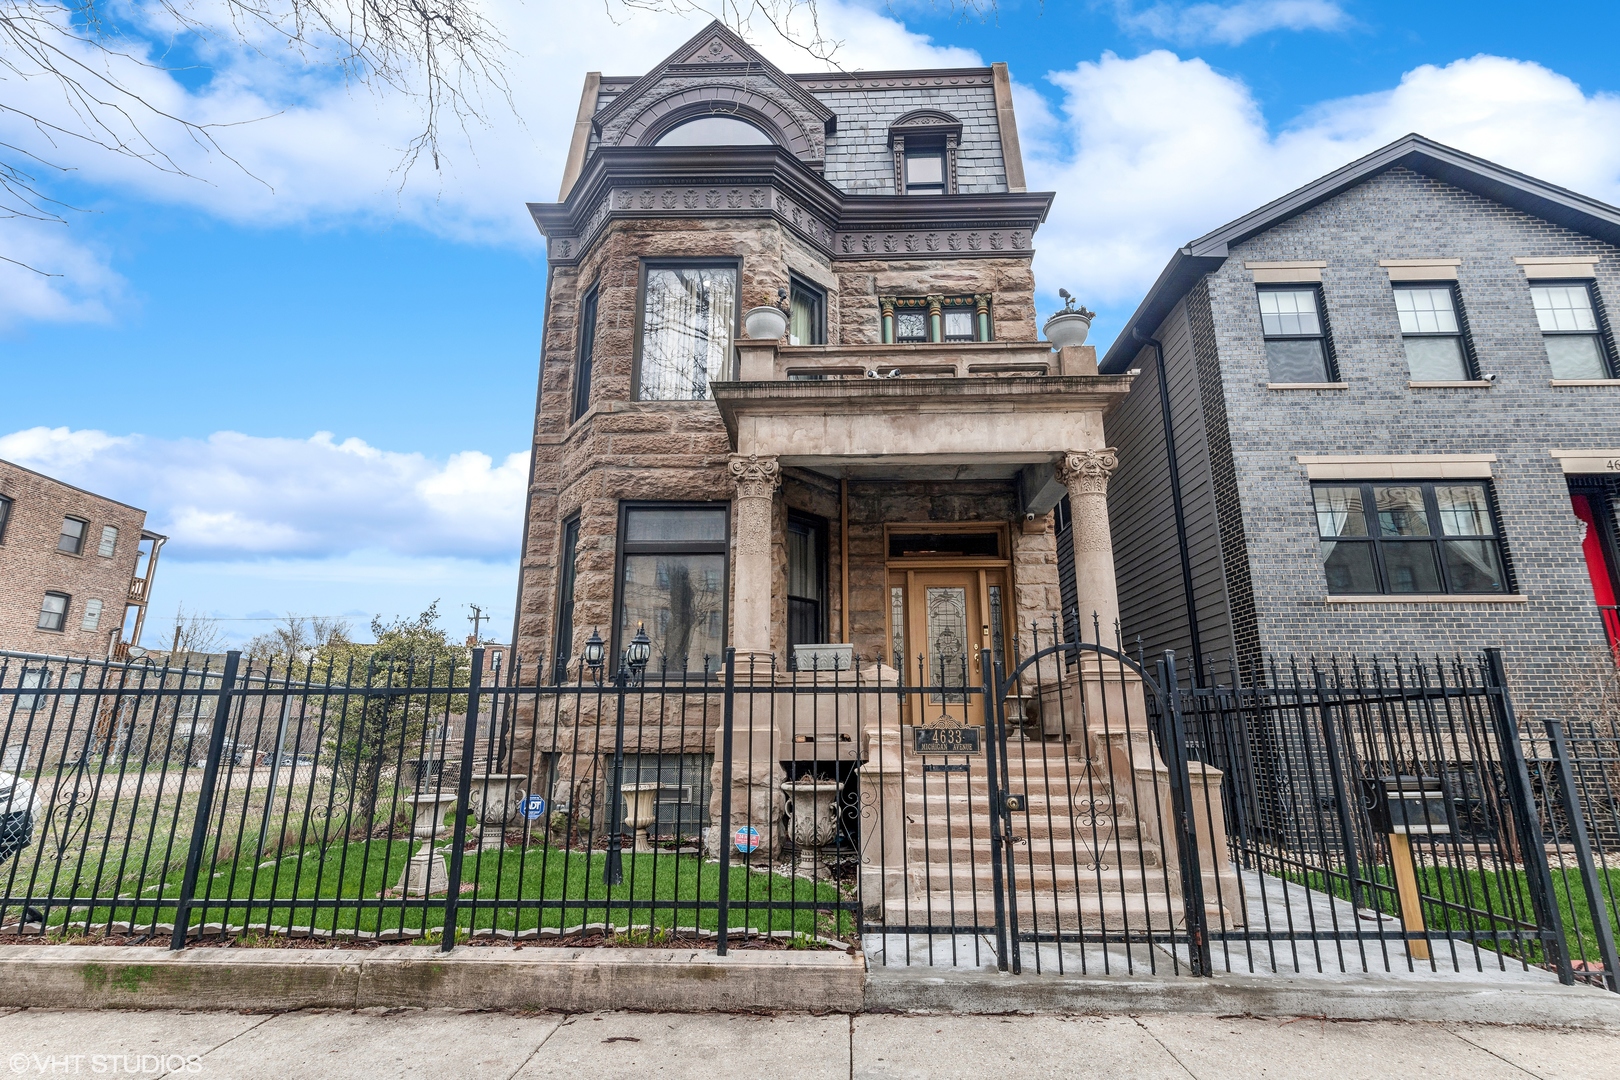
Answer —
767 361
976 409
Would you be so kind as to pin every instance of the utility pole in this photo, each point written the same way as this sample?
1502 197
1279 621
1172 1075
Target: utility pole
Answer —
476 618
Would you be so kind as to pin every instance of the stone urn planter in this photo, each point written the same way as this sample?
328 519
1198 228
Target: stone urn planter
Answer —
641 811
494 799
1069 326
426 872
812 807
765 323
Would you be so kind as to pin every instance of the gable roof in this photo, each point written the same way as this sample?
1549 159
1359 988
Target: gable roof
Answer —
714 50
1422 155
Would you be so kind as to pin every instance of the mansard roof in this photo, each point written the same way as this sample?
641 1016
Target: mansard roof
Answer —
838 123
1422 155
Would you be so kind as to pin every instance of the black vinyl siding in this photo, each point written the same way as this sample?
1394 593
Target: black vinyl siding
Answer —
1147 560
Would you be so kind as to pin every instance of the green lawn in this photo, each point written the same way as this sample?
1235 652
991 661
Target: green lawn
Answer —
1505 894
657 890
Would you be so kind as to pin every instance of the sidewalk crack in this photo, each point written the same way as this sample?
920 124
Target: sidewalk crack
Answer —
1137 1021
540 1046
1494 1054
266 1018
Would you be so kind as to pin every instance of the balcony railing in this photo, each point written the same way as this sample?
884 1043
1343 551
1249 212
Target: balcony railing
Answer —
770 362
137 590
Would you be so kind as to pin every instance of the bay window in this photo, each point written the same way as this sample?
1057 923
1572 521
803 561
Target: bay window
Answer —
672 580
688 323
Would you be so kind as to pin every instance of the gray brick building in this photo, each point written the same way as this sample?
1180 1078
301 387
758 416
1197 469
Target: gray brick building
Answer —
1393 403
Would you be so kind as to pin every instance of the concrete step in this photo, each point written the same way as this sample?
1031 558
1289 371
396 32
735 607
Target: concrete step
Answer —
1058 851
1034 912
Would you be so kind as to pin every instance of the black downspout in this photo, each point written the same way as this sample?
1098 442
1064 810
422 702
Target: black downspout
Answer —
1175 501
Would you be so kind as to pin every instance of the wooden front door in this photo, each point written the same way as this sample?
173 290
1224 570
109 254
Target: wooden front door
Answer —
951 617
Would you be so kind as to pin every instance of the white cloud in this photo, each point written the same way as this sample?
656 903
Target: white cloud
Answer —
312 150
1150 152
1231 24
236 497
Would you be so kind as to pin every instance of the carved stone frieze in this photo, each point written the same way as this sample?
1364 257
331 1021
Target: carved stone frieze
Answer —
857 244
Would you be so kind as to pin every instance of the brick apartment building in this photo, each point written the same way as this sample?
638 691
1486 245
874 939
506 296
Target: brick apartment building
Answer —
76 568
1394 401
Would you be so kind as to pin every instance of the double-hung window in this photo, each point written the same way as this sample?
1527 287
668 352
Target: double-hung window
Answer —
71 540
1419 538
806 581
1432 330
688 322
566 569
807 313
92 615
109 542
960 323
587 350
53 611
1297 347
925 170
672 580
5 515
1567 312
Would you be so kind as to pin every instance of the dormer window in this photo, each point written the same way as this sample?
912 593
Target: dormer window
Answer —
925 170
924 143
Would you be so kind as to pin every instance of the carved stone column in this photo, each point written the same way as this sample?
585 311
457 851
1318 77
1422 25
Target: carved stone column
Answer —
1085 473
757 479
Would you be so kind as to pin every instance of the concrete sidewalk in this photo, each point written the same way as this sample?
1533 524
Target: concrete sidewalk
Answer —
429 1044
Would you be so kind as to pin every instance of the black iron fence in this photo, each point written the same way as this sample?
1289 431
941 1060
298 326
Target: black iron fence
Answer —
1395 815
1082 811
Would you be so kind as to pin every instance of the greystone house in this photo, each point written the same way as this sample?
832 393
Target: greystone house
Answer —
1380 414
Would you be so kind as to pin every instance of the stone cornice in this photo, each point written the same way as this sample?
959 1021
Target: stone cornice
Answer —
635 182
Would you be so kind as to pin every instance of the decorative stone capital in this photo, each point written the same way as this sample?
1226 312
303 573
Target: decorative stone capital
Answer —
1086 472
756 477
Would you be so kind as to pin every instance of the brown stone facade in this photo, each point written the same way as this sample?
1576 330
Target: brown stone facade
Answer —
31 564
624 450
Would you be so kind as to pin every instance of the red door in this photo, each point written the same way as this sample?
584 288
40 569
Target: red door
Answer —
1600 563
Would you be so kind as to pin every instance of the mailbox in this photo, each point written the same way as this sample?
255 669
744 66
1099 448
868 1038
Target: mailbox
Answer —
1407 805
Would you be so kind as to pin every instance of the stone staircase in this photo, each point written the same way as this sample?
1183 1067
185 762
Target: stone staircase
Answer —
1081 854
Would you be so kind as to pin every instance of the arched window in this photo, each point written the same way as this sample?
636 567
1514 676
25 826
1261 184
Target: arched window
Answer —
714 130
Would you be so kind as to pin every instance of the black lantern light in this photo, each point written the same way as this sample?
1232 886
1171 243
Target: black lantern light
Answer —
595 651
640 651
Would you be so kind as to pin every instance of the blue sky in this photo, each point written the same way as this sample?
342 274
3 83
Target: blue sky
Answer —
318 378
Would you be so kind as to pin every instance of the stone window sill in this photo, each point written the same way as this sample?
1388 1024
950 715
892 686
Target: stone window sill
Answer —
1307 386
1427 384
1426 598
1583 382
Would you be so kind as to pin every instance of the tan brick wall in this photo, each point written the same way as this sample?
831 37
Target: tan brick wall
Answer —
30 564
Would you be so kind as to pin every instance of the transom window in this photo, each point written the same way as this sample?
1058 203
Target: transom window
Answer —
1420 538
1432 332
714 131
1569 326
1296 336
688 321
53 611
672 580
71 539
